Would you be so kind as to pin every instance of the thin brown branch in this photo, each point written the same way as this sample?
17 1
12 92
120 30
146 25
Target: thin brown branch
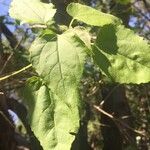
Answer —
116 120
10 56
6 119
5 64
8 34
15 73
109 94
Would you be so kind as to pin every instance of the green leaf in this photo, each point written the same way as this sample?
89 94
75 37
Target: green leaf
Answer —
32 11
91 16
59 61
52 121
64 56
84 35
122 55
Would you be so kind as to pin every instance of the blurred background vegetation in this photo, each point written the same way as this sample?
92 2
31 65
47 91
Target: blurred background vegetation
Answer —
128 104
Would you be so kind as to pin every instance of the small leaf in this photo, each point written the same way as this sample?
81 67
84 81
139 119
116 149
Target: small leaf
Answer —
32 11
122 55
91 16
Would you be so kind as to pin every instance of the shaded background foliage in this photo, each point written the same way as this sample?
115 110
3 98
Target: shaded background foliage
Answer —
97 131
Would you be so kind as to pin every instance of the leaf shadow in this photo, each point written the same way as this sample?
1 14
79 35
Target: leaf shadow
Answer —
102 61
105 45
107 39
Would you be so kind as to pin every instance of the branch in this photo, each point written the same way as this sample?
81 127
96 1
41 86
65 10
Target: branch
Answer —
6 62
9 35
15 73
119 121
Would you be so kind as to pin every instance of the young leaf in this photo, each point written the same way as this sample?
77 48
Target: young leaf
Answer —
59 61
91 16
122 55
32 11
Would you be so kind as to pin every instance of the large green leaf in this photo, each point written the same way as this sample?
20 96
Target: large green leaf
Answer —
122 55
90 16
31 11
59 61
52 121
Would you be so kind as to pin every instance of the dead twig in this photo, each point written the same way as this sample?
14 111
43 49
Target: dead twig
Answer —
116 120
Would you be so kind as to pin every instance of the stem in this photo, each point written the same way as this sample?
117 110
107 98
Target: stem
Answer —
15 73
70 25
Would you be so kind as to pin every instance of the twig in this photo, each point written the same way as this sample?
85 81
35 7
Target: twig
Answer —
109 94
8 59
103 112
5 64
8 121
15 73
119 121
